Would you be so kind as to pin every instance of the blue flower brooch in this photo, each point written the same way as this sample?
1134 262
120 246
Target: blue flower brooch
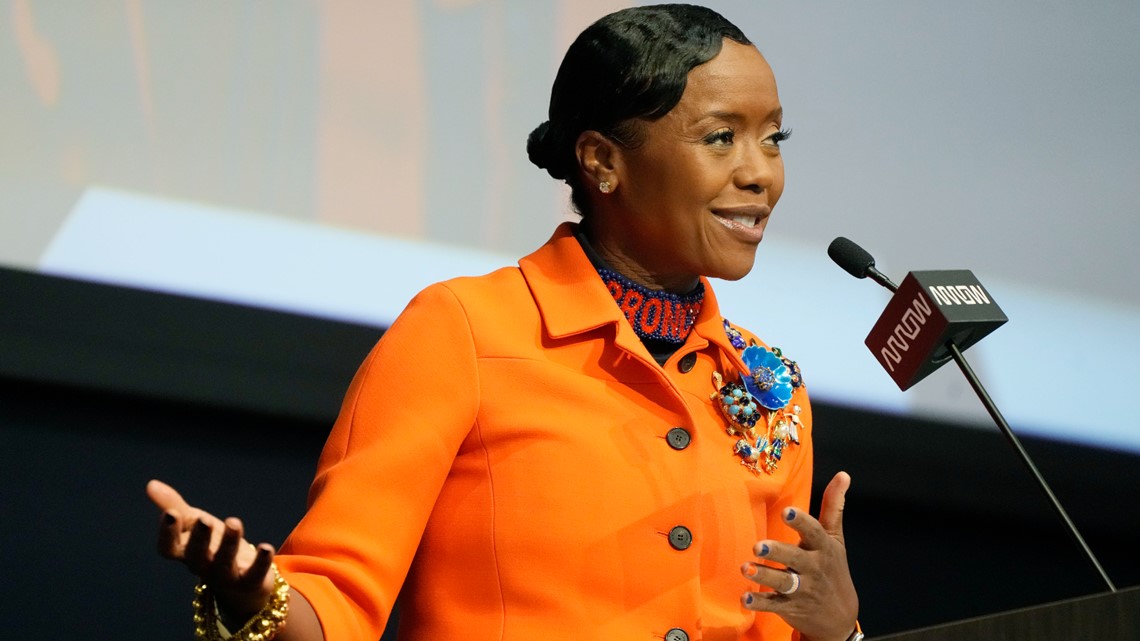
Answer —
757 407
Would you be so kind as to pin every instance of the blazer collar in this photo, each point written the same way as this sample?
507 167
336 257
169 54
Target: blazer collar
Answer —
567 289
572 299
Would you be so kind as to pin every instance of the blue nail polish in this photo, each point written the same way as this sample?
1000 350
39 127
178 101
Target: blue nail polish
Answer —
791 515
748 598
763 549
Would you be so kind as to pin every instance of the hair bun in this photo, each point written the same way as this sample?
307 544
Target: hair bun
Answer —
540 149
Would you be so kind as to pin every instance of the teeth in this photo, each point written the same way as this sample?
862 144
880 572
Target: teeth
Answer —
747 221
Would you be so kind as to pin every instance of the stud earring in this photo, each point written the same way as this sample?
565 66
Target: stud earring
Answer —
605 187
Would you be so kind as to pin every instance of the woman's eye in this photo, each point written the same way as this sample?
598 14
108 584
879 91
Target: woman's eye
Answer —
780 136
721 137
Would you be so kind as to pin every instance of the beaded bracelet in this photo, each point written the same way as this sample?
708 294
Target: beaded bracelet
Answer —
262 627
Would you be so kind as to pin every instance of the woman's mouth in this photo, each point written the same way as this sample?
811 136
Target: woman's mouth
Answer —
747 221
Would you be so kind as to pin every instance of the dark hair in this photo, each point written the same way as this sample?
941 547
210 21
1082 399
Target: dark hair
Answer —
631 64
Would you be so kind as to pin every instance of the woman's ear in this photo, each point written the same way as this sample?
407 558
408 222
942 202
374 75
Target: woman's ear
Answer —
598 160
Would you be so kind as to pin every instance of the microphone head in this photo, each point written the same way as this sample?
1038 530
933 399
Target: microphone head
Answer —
851 257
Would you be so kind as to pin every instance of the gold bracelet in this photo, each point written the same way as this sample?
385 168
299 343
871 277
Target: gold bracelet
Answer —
262 627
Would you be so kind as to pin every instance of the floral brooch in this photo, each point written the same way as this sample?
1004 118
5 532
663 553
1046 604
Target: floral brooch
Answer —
757 407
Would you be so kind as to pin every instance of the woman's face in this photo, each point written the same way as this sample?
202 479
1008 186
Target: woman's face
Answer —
694 198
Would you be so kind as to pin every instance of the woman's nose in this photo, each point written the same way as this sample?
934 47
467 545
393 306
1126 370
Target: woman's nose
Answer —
757 168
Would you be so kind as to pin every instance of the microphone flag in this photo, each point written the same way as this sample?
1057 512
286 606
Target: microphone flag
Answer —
930 309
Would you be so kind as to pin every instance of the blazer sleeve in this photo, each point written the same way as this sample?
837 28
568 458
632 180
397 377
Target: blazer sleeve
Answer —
404 417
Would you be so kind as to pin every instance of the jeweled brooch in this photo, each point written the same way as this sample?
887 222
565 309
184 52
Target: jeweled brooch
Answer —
734 336
768 378
757 407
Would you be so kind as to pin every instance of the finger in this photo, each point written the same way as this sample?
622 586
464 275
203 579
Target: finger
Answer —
197 553
765 602
831 508
781 581
812 534
223 563
166 498
175 513
255 575
169 536
778 552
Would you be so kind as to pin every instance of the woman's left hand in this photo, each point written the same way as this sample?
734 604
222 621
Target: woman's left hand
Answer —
813 591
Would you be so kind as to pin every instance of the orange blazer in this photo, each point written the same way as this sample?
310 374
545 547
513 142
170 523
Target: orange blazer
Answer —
503 462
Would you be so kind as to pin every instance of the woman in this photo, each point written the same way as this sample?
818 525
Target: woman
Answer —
579 447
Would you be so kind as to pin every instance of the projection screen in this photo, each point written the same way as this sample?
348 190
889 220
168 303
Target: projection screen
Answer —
332 158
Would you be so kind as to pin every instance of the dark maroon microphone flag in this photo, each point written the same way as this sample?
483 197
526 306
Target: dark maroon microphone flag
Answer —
930 309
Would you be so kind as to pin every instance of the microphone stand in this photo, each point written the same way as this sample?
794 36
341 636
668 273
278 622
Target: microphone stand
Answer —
1007 432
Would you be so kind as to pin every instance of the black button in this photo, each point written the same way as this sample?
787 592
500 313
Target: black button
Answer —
687 362
680 538
678 438
676 634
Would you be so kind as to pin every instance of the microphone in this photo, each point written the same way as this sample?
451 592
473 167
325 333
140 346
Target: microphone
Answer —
856 261
962 314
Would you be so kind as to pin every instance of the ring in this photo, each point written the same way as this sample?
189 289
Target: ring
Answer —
795 584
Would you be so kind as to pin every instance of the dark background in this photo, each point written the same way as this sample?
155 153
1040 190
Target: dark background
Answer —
103 388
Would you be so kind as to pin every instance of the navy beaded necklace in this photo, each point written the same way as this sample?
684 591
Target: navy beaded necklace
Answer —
662 320
655 315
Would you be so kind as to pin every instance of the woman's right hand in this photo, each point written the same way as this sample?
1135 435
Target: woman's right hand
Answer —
216 551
